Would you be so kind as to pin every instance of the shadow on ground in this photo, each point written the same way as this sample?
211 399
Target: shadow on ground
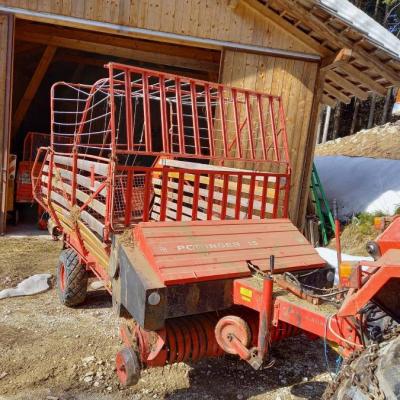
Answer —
292 376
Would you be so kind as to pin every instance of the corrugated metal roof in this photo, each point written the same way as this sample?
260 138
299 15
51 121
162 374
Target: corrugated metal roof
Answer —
360 21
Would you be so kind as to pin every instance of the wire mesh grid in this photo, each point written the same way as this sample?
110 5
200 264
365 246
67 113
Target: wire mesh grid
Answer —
165 193
155 113
102 134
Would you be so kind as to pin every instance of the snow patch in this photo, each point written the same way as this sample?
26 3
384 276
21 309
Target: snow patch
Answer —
360 184
330 256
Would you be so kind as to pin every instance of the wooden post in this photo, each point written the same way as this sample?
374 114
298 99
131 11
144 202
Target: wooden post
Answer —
371 111
6 68
33 86
320 115
326 124
355 115
386 107
309 152
336 121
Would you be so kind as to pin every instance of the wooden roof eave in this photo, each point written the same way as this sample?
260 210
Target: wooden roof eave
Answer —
350 78
323 28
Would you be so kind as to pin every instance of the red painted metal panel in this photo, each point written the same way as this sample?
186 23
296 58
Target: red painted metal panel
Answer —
204 250
390 238
333 328
136 115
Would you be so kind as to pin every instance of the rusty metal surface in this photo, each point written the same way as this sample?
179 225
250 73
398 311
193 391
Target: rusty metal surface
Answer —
135 280
182 252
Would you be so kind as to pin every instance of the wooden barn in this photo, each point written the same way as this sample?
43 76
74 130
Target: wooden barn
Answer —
310 52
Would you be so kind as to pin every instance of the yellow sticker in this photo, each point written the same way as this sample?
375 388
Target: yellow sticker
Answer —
246 292
245 298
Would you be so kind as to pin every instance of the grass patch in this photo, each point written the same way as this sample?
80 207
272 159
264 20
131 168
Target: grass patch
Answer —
357 233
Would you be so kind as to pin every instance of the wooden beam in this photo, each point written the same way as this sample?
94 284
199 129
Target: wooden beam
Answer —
328 101
309 148
342 56
363 78
122 41
347 85
291 29
25 47
372 61
233 4
323 29
336 93
33 86
341 61
109 49
76 57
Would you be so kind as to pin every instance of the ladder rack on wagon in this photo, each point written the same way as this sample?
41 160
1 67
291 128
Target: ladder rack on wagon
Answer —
142 145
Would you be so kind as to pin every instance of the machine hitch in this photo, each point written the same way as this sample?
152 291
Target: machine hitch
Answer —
233 333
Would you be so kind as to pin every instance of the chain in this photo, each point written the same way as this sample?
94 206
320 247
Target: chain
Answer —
367 381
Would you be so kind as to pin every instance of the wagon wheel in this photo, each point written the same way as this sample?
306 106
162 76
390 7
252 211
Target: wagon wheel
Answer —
128 367
374 373
72 279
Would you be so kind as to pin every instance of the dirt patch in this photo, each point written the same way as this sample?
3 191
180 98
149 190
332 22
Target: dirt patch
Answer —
19 260
379 142
51 352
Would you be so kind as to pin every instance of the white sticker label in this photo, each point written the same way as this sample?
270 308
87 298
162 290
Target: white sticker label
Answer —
207 246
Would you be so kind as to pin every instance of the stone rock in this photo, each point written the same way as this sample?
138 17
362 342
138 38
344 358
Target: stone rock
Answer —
96 285
88 359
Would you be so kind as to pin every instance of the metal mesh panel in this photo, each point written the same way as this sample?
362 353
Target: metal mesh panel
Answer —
164 114
173 193
106 139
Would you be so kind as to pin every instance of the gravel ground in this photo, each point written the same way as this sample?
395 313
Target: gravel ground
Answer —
51 352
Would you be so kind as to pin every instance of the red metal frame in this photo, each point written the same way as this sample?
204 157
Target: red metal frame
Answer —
104 162
32 142
169 89
92 133
390 238
257 182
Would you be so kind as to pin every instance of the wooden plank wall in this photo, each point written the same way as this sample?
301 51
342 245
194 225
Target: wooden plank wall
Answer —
6 45
295 81
214 19
211 19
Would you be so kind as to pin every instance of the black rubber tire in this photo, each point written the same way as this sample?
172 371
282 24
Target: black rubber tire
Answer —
72 279
387 374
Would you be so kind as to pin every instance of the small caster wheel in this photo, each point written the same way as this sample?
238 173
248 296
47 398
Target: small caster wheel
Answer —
128 367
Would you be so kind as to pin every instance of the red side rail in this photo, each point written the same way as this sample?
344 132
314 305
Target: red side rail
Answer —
194 118
170 193
102 133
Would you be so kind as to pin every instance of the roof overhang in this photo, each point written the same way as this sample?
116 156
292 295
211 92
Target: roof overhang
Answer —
359 55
